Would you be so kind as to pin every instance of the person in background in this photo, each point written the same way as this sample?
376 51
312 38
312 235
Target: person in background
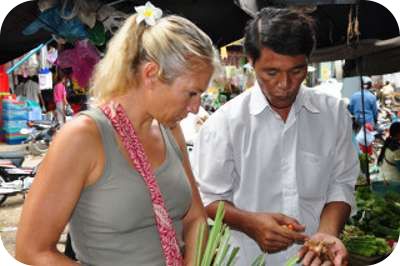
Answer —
19 88
370 106
132 198
387 94
389 158
60 97
279 155
32 91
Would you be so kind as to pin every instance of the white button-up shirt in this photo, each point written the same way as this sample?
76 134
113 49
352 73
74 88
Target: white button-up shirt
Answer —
247 155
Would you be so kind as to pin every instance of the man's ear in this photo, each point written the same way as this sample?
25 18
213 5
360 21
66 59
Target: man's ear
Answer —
150 72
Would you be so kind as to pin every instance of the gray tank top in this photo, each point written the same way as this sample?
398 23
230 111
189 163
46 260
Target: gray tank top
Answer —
113 222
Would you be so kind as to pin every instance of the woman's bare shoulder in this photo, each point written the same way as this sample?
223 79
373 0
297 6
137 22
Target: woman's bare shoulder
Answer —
81 127
76 149
80 133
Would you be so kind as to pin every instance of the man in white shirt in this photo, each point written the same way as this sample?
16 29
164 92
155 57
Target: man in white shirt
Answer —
279 153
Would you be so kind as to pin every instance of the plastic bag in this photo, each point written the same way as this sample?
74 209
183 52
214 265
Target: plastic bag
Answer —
68 110
360 137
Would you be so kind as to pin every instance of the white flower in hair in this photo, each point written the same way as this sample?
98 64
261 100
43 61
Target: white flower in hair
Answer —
149 13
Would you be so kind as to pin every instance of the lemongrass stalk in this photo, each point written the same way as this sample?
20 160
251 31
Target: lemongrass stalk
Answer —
292 261
259 261
232 256
222 248
199 243
211 243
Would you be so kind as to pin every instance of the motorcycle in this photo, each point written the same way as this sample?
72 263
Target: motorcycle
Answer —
14 180
40 135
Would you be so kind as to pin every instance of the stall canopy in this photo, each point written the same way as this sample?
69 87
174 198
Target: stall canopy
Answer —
222 20
346 29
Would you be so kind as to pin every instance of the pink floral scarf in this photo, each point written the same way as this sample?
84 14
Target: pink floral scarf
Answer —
123 126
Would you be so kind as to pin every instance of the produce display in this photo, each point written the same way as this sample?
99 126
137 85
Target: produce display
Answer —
377 215
374 225
357 242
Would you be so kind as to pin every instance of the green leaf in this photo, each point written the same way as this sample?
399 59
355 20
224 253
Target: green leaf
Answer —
214 236
199 243
259 261
232 256
292 261
223 247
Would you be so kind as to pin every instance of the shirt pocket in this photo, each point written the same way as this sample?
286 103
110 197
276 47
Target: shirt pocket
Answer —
312 175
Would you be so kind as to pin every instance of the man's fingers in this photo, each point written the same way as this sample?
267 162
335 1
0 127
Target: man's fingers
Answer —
295 236
286 220
275 237
303 250
339 261
308 258
327 263
316 262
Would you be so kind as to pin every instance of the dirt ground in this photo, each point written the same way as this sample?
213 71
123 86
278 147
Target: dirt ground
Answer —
10 210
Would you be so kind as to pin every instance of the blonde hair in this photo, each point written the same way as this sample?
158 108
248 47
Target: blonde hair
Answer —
174 43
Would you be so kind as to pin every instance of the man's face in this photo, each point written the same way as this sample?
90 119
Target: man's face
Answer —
280 76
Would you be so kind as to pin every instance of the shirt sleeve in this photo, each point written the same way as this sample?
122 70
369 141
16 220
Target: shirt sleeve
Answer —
213 164
345 164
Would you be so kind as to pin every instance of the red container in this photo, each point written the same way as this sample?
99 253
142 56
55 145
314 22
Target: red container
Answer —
4 85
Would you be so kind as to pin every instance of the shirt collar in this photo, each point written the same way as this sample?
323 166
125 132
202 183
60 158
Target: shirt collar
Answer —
258 102
304 99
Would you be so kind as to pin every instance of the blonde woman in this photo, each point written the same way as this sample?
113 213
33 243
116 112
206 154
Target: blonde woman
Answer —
119 173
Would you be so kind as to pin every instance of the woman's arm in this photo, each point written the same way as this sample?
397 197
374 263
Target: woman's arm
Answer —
65 171
196 214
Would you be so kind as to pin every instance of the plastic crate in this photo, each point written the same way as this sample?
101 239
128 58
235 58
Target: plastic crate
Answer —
14 126
14 105
14 141
15 114
13 138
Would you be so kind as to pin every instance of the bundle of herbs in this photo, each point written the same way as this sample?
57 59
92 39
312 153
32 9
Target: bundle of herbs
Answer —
218 250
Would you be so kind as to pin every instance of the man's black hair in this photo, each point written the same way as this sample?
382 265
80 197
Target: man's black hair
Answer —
285 31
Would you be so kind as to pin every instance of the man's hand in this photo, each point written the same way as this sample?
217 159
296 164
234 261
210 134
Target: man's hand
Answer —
336 251
272 232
